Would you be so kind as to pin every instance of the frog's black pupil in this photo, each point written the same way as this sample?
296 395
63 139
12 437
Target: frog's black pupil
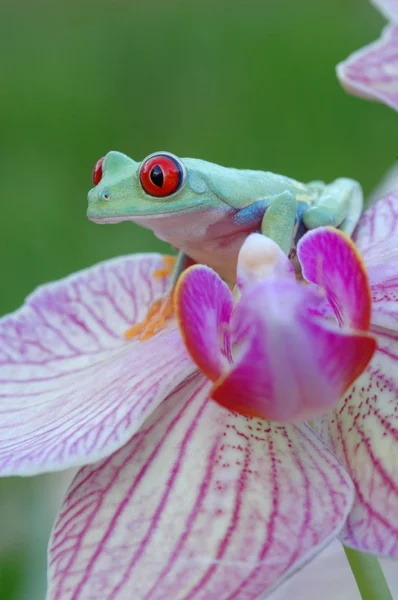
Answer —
157 176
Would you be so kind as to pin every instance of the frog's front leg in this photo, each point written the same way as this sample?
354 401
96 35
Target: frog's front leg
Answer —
339 205
161 309
277 215
279 220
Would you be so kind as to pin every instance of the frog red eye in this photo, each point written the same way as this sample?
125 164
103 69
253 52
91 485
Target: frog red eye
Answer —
161 175
97 171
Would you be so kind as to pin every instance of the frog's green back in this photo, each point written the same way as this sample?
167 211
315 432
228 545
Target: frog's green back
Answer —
239 188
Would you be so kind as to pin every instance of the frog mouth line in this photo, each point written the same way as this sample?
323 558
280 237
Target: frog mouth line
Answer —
136 218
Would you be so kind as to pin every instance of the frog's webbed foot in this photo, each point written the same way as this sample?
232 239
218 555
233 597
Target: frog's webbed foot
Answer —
161 310
338 205
158 314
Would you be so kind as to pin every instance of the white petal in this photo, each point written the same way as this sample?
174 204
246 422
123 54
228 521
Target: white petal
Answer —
363 432
72 389
377 241
202 503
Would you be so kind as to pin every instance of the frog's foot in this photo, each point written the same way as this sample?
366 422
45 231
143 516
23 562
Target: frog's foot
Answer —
167 269
339 205
158 313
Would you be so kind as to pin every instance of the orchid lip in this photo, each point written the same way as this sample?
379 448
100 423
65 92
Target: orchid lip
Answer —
272 357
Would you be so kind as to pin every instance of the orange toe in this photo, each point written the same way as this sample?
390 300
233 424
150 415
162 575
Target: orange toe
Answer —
158 313
167 269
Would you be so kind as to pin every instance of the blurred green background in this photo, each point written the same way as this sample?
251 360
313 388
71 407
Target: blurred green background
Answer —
245 83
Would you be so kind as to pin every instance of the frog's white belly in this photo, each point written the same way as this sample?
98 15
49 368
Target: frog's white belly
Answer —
209 237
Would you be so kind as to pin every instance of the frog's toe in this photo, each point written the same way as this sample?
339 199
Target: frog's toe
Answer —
167 269
317 216
158 314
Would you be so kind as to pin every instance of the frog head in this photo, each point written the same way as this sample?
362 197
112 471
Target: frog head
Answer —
162 184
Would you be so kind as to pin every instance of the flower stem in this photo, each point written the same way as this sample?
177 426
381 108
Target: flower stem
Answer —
369 575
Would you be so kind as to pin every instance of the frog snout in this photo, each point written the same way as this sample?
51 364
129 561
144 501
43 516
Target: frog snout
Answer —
96 195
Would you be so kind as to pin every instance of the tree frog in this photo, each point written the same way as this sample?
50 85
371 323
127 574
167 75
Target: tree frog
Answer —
206 211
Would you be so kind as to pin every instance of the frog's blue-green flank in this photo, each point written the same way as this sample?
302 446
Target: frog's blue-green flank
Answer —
206 211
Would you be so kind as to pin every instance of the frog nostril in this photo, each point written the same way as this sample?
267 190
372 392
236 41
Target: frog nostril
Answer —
105 195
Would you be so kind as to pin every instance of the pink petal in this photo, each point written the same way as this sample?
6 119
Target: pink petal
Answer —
289 368
201 504
377 240
378 224
203 307
261 258
363 432
72 389
389 8
329 259
372 72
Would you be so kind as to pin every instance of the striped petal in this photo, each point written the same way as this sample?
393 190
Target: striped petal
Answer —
372 72
72 389
363 432
329 259
289 366
201 504
389 8
377 240
378 224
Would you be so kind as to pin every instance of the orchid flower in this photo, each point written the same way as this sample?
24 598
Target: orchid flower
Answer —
180 497
200 502
272 357
372 72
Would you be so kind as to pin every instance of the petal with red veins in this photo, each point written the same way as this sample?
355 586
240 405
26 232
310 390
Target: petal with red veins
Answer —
363 432
72 389
389 8
329 259
378 224
377 240
201 504
372 72
385 304
203 304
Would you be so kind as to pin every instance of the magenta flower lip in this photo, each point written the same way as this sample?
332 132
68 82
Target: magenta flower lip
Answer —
272 357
